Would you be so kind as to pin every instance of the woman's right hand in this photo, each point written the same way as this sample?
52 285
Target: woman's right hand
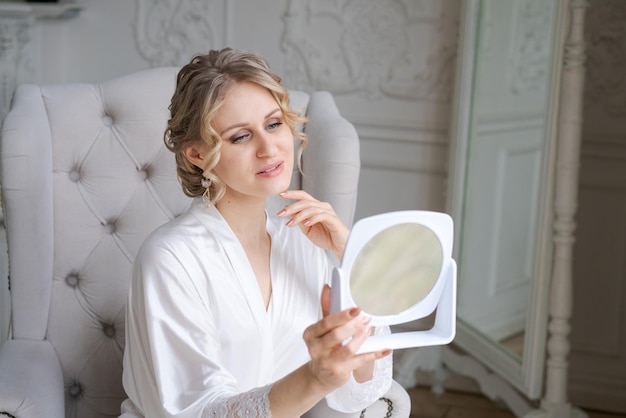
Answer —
333 361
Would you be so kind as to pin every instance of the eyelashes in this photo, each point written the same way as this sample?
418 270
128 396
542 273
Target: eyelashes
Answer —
244 136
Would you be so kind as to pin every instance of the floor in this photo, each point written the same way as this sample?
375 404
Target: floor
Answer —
425 404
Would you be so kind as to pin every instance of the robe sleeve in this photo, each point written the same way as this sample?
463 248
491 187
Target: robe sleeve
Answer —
171 363
353 396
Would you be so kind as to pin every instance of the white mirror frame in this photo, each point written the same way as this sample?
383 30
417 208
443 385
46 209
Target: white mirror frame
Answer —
441 297
499 373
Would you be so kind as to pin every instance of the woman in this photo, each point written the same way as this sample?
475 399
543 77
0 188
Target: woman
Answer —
224 309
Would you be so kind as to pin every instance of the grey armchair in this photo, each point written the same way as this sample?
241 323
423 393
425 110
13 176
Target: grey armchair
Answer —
85 177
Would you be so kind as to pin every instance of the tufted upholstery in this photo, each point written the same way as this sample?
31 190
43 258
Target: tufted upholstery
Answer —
85 177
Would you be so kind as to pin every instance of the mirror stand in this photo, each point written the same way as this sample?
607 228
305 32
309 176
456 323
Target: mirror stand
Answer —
497 373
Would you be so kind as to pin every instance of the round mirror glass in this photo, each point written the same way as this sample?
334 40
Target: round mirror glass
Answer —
396 269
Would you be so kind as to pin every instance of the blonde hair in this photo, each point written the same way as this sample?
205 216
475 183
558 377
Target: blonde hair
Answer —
201 86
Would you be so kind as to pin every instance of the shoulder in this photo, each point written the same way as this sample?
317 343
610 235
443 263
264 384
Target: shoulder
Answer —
187 234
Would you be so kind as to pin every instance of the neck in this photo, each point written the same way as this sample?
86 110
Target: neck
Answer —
248 221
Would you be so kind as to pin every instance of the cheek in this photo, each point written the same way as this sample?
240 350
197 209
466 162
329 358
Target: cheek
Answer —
288 144
225 166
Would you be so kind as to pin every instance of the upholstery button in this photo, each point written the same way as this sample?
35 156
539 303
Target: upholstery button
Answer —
74 175
109 330
107 120
72 280
143 174
75 390
109 227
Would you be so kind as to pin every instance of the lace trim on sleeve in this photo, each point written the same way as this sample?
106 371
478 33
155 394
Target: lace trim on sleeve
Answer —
254 403
354 396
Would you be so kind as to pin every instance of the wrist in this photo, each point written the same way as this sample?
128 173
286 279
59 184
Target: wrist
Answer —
317 385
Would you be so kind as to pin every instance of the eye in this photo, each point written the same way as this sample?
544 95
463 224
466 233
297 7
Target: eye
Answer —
240 137
275 124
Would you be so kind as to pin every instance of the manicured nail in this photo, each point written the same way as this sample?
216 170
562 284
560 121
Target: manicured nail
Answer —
282 212
290 222
354 312
386 352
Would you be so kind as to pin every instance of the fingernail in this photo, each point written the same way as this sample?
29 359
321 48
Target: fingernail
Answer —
282 212
290 222
282 193
385 352
354 312
307 222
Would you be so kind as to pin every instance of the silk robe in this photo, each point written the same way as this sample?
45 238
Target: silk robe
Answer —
199 340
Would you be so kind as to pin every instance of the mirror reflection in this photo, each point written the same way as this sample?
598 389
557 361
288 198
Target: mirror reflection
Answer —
507 154
396 269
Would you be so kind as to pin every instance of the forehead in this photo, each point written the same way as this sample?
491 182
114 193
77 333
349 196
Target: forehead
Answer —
247 94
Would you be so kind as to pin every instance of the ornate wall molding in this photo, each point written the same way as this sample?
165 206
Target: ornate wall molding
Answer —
15 57
17 39
400 49
170 32
530 52
605 79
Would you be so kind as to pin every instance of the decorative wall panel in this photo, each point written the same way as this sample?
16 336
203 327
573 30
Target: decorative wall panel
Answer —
393 48
168 32
606 60
15 57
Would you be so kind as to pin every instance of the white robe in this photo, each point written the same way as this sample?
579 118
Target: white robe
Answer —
199 341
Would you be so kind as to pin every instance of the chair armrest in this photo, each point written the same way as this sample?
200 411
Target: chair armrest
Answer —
397 395
31 380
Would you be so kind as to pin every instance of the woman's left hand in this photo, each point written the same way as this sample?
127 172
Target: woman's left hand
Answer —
317 220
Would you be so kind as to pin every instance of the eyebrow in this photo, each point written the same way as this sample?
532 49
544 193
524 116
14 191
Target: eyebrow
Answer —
239 125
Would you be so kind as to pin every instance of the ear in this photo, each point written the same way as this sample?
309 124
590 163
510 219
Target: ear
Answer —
196 154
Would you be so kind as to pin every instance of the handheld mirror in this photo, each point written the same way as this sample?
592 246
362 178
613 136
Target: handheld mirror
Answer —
398 267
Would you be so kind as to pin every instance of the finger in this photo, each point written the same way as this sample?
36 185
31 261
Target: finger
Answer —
311 216
303 208
344 340
329 323
360 336
325 301
365 358
300 199
296 195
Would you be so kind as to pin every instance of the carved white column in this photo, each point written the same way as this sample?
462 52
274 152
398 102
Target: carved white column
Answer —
555 402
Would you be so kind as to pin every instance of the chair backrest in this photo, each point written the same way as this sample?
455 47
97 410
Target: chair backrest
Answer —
85 177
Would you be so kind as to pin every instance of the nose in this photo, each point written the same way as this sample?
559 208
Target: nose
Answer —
266 145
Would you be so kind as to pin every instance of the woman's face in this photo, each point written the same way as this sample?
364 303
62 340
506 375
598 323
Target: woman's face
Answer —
257 150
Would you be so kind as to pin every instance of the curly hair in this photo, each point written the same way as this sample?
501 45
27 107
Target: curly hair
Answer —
201 86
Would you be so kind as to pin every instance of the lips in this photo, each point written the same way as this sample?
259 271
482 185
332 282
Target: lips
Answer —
270 168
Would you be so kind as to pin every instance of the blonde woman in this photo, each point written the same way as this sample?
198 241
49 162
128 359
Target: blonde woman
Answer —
228 305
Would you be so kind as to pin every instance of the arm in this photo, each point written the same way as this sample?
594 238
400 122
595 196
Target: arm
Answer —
319 222
331 366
